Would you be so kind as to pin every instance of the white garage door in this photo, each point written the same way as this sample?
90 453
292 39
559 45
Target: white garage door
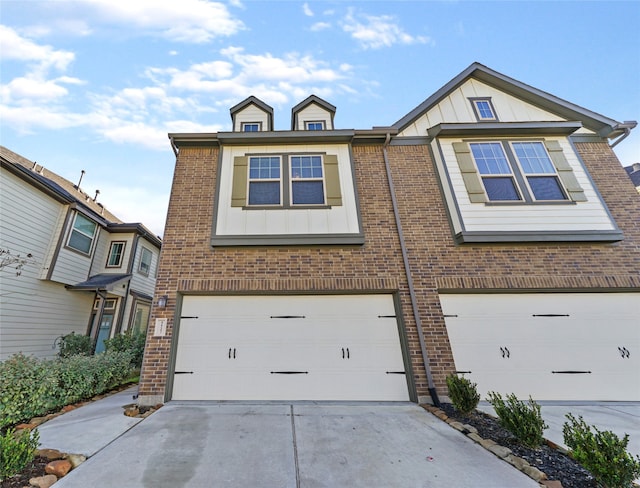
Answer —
579 346
289 348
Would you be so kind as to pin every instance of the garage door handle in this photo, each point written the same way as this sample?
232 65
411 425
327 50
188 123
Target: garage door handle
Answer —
505 352
289 372
183 372
343 355
571 372
624 352
234 353
395 372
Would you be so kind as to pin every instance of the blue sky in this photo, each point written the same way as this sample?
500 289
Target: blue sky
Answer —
98 84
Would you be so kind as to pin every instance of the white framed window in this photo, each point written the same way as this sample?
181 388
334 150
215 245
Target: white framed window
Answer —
307 180
116 253
517 171
265 182
146 257
251 127
483 109
315 125
82 235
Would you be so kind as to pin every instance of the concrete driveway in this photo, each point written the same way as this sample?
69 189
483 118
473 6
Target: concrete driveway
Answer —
299 445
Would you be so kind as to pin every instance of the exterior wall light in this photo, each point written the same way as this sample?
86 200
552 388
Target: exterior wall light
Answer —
162 301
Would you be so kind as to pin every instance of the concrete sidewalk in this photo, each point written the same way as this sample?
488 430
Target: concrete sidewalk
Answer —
89 428
298 445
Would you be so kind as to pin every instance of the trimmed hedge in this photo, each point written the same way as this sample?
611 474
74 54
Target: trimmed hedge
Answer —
30 387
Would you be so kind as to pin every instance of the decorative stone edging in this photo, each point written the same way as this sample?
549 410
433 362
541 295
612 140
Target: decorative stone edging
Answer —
502 452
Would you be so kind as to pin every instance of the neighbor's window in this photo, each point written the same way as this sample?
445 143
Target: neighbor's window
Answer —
483 109
250 127
145 261
517 171
315 125
116 253
265 180
82 234
307 184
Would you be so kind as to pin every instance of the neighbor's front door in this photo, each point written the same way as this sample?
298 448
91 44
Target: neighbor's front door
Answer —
103 332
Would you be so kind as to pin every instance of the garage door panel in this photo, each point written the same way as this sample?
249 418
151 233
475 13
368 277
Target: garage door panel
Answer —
290 347
561 346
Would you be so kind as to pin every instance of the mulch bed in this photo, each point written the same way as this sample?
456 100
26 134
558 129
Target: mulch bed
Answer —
33 470
556 465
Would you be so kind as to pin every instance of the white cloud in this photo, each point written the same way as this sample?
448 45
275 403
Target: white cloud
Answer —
17 47
192 21
307 10
376 32
320 26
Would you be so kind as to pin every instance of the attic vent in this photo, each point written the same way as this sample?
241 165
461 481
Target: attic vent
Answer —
33 168
96 196
80 181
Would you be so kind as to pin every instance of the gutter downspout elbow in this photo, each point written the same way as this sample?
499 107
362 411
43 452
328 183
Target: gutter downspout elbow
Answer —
405 257
174 147
626 126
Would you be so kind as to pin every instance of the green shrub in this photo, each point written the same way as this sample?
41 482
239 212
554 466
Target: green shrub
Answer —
522 419
603 453
463 393
27 386
30 387
72 344
128 342
16 451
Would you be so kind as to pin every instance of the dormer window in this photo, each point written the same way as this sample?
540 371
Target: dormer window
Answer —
483 109
250 126
315 125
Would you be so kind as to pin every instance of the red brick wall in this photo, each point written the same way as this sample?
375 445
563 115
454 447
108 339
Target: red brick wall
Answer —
189 264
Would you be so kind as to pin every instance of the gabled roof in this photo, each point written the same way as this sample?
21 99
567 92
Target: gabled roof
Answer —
308 101
603 126
255 101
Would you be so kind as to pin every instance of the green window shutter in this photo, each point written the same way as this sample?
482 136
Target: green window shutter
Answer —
239 189
470 176
565 172
332 180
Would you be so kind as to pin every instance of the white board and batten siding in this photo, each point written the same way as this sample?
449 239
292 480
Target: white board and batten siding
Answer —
551 346
456 108
33 312
235 221
251 114
591 215
313 113
328 347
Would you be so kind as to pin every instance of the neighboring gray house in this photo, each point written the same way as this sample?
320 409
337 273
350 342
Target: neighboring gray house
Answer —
634 173
89 272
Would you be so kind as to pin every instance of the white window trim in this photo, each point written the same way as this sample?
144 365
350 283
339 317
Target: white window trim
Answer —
243 125
140 270
322 123
72 229
263 180
518 175
119 264
476 110
292 180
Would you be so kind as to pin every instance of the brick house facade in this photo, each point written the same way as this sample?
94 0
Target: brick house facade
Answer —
437 264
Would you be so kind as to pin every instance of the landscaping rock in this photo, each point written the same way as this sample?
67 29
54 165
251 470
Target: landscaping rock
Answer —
43 481
456 425
475 437
551 483
487 443
132 411
26 426
469 429
534 473
50 454
516 461
76 459
500 451
59 468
